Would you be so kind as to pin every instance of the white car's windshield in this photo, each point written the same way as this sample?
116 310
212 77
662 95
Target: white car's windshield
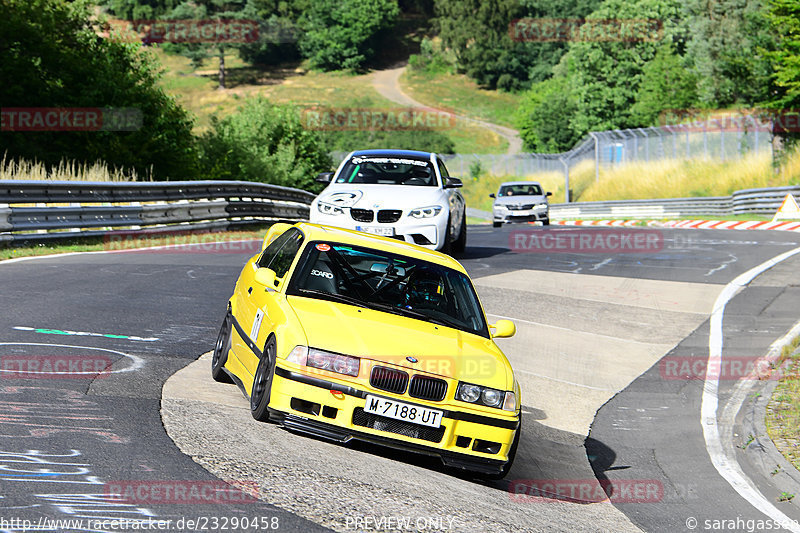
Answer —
388 282
388 171
520 190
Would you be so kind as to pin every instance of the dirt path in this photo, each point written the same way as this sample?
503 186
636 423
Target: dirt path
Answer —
387 83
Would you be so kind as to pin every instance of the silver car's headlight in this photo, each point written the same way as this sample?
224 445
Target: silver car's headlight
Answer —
540 206
329 209
500 207
425 212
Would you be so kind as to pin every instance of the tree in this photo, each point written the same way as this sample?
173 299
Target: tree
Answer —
784 18
667 83
342 34
54 58
263 142
140 9
217 10
503 57
544 117
727 44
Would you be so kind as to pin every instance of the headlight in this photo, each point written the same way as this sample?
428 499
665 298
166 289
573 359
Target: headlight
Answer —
332 362
491 397
425 212
329 209
500 207
540 206
470 393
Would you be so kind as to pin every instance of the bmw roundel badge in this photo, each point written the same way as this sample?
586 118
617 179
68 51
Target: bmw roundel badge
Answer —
412 359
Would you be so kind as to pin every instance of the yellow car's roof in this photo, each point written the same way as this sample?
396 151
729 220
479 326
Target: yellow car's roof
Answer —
318 232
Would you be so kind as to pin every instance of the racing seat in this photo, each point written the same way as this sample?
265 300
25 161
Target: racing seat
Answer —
321 278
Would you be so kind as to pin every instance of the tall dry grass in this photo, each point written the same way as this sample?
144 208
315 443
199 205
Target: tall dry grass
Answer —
21 169
691 178
657 179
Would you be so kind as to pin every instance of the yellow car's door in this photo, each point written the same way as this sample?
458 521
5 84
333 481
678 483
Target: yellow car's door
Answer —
260 289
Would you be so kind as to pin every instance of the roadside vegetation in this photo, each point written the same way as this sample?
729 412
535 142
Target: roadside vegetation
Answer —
198 99
657 179
783 410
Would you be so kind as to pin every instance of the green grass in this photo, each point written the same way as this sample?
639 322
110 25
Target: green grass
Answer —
458 93
291 84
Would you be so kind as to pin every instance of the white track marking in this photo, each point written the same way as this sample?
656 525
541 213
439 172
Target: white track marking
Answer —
136 361
727 466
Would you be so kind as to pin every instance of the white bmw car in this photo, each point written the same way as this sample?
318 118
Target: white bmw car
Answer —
404 194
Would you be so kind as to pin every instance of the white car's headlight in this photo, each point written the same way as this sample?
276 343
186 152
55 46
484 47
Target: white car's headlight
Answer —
500 207
540 206
329 209
425 212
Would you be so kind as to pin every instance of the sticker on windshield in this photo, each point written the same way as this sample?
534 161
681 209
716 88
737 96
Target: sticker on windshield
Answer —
323 247
392 160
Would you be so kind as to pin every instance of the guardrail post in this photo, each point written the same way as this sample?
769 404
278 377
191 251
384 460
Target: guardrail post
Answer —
566 180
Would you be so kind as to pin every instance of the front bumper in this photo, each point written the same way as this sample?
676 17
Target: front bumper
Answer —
508 216
324 408
426 232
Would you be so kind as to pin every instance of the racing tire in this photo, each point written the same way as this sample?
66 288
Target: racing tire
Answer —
496 224
461 243
262 382
546 221
221 349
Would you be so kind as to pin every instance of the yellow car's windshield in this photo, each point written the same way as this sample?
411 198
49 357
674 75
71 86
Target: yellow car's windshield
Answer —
388 282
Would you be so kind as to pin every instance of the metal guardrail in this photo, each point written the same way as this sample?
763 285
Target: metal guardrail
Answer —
101 208
750 201
205 205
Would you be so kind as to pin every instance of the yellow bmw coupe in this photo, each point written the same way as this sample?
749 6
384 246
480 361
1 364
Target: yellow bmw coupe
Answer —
345 335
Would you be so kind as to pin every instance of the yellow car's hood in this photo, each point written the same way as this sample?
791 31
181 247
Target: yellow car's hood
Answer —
389 338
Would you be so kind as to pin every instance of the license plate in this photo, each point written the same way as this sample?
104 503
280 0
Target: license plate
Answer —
403 411
377 230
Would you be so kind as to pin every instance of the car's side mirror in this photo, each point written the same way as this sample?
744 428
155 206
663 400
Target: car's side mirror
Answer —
549 194
492 196
265 277
324 177
452 183
503 328
274 232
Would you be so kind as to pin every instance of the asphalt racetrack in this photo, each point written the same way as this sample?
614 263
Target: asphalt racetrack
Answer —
623 430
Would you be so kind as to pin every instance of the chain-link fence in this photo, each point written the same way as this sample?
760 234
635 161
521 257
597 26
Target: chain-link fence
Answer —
720 139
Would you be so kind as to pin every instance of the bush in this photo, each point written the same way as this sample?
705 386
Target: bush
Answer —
424 140
53 57
265 143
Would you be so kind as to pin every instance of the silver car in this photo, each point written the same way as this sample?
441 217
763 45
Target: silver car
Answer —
520 201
